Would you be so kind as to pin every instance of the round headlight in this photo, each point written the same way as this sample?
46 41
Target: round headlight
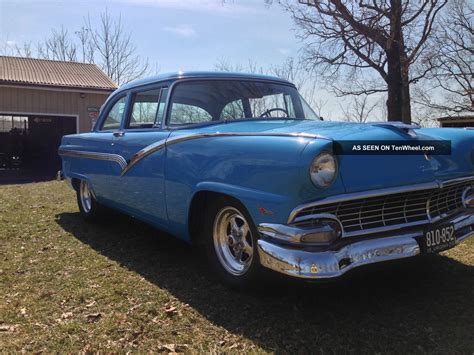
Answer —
323 170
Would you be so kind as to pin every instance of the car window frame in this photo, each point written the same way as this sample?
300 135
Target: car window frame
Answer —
168 126
132 93
109 106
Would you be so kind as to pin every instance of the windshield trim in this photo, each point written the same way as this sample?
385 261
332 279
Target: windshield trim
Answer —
167 125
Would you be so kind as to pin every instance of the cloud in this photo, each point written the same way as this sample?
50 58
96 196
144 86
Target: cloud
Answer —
183 30
11 43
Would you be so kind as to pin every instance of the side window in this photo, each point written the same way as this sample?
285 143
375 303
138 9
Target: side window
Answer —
114 116
233 111
186 114
144 109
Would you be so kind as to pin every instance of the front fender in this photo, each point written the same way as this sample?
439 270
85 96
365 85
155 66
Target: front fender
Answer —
269 175
261 205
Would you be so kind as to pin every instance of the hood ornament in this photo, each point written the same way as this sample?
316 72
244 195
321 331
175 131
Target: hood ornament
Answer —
399 126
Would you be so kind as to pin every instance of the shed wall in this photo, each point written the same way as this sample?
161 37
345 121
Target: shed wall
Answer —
47 101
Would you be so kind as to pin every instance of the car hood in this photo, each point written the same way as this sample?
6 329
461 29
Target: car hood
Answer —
332 130
365 172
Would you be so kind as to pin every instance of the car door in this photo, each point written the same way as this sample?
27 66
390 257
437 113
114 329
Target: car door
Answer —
140 189
106 165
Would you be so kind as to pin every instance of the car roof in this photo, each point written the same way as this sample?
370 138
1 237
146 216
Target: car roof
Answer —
199 74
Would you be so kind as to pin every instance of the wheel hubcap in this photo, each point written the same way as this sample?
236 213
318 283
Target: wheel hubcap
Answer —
233 241
86 196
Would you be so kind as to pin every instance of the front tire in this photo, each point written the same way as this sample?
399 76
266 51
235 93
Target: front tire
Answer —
231 243
89 208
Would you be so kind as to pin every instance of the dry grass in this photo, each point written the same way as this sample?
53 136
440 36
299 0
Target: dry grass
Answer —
71 286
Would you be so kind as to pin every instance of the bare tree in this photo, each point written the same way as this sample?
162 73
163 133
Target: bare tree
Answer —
360 109
319 105
25 50
425 116
294 71
355 39
86 45
114 50
450 89
223 64
108 45
59 46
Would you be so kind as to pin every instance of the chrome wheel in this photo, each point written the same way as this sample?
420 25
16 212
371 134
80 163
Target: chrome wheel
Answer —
233 241
85 196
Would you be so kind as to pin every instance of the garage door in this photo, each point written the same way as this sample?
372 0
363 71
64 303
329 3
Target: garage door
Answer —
29 144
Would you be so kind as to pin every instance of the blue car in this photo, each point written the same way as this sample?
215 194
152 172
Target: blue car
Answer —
240 165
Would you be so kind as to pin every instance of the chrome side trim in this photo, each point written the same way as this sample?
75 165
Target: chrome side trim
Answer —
375 193
153 148
148 150
94 155
298 262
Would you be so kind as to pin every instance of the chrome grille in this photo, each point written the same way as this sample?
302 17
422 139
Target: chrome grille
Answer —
395 210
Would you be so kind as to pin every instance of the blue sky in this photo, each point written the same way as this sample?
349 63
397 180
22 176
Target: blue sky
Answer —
175 34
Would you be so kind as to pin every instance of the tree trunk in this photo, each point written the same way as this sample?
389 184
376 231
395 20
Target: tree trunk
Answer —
395 87
398 101
406 108
406 105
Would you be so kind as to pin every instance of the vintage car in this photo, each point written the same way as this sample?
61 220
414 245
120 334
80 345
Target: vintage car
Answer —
240 165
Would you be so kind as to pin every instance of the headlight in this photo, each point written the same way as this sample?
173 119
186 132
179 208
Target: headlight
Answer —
323 170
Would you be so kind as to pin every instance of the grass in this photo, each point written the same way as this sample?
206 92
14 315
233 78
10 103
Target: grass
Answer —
66 285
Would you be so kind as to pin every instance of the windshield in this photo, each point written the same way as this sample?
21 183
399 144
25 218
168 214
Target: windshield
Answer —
219 100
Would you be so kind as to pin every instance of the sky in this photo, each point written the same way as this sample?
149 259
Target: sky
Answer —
174 34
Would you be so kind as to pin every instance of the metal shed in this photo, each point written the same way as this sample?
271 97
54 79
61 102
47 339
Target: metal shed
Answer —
40 101
457 121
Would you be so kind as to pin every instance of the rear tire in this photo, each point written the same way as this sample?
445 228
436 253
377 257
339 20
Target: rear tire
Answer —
89 208
231 243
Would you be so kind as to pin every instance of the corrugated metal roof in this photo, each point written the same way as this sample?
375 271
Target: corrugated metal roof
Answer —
41 72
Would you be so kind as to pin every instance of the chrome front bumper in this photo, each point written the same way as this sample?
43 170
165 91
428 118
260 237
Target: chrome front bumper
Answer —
298 262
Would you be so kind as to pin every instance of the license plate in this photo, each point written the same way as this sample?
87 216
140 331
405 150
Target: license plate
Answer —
439 238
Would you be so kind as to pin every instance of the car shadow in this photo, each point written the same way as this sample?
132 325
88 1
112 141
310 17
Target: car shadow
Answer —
422 304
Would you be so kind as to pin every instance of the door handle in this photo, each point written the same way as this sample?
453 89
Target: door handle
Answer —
118 134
